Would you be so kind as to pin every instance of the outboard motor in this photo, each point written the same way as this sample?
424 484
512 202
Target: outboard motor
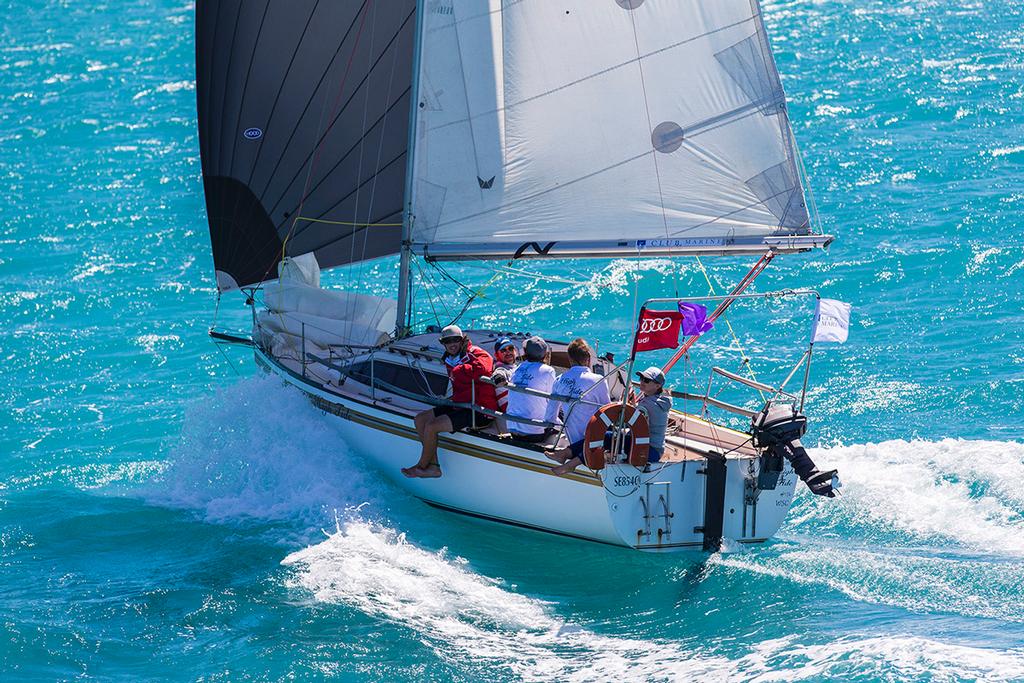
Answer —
778 429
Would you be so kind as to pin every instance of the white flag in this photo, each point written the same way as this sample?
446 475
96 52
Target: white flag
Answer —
831 321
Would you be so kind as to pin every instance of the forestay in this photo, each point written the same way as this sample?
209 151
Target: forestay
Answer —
591 127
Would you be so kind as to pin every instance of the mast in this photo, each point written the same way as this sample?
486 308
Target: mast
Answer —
404 315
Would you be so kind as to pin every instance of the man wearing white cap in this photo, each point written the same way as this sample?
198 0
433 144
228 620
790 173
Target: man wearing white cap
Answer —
465 364
656 404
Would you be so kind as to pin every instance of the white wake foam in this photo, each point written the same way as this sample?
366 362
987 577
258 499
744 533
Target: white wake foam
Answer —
923 526
968 493
470 619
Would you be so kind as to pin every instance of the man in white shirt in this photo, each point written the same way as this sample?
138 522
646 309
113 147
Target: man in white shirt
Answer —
575 382
532 373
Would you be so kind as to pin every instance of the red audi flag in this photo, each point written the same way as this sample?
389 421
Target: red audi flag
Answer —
657 330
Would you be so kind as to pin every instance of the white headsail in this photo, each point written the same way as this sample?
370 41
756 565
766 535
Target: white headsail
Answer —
593 127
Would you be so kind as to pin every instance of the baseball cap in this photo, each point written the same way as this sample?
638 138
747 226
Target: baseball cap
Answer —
654 374
535 348
451 332
502 343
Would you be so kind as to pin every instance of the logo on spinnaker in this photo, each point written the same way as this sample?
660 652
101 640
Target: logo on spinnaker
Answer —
253 133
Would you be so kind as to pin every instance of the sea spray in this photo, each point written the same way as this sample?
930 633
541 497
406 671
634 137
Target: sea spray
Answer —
259 450
967 493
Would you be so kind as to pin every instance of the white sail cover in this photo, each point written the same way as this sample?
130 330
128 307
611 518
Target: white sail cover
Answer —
593 121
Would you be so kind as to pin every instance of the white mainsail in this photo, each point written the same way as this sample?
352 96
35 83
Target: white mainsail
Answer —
601 125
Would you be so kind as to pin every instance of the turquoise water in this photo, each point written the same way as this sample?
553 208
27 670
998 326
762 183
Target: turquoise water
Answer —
167 514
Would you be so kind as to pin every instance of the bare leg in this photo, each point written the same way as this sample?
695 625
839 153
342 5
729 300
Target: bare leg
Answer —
421 421
567 467
427 465
561 455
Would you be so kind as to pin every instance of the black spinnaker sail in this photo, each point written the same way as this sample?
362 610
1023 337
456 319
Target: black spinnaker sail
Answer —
303 129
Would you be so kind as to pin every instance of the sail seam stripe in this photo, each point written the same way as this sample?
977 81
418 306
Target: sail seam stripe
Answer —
465 97
363 224
369 179
596 74
343 157
341 111
380 152
224 117
726 215
691 131
353 233
336 111
280 89
241 107
309 102
650 125
224 86
362 147
784 126
208 82
245 87
547 191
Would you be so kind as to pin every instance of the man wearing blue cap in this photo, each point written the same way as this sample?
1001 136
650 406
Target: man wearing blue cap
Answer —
504 365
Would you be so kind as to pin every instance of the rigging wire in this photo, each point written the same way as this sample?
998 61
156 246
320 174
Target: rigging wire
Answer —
216 311
373 186
478 293
536 276
739 346
213 326
448 276
430 299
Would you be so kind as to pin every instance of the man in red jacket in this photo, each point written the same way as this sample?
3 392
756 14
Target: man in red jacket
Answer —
465 364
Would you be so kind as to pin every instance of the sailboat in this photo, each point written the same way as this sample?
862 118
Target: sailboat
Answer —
333 133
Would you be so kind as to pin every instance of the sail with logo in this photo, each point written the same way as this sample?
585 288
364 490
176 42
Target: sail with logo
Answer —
454 130
555 129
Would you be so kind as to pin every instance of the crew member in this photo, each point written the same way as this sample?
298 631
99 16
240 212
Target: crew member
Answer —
656 404
534 373
575 382
466 364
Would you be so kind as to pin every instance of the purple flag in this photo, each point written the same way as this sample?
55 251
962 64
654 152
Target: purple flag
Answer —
694 319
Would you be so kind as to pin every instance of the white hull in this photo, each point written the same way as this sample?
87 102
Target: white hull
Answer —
663 509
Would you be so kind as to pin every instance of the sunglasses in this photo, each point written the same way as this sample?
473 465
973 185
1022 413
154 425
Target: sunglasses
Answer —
451 340
644 380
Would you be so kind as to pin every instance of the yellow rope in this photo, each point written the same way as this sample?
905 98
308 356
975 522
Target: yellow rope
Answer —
361 225
736 339
284 244
480 292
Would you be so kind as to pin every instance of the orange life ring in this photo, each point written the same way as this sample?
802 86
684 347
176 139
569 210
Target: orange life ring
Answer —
607 417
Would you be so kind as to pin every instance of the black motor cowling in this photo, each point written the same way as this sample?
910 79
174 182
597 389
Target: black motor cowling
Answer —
777 429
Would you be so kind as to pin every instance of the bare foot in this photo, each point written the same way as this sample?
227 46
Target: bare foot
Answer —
411 472
553 455
429 472
563 469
